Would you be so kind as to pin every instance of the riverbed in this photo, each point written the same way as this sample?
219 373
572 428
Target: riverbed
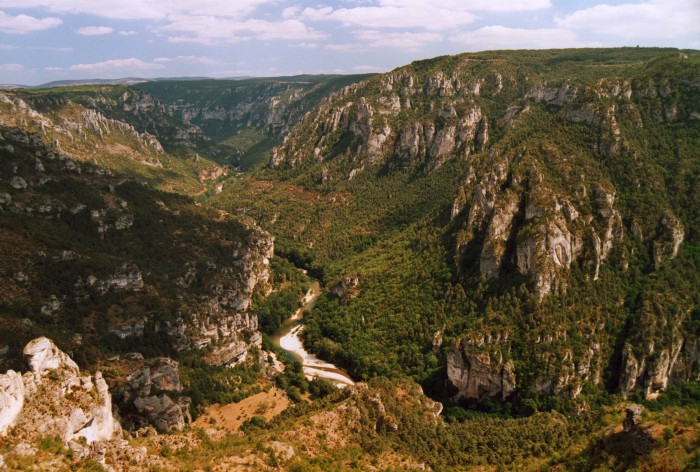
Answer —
289 340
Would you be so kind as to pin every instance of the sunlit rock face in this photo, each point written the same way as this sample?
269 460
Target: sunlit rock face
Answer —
54 399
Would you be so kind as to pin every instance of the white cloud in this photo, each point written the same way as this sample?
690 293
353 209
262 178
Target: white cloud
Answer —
26 24
201 60
344 47
11 68
143 9
471 5
128 33
94 30
643 20
425 16
501 37
406 41
304 46
113 67
435 15
48 48
211 30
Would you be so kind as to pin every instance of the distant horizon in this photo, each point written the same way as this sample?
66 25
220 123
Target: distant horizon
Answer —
135 79
43 41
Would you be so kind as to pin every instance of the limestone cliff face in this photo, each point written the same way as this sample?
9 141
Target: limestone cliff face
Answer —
564 188
659 351
669 239
385 127
208 287
477 374
77 131
519 220
512 208
53 398
148 114
223 108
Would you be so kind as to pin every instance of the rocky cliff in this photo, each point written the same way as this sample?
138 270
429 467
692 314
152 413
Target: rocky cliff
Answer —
55 399
224 108
113 266
69 126
569 184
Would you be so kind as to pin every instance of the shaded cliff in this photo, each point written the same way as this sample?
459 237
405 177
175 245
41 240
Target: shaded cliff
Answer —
109 267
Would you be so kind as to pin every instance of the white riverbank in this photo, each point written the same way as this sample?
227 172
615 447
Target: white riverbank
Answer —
289 340
312 365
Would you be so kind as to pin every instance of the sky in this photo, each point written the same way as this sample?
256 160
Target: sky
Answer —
47 40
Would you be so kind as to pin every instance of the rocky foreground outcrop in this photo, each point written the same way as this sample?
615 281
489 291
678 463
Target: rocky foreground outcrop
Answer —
54 399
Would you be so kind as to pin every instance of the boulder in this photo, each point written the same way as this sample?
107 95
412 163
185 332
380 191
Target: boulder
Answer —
162 374
18 183
633 418
42 355
162 411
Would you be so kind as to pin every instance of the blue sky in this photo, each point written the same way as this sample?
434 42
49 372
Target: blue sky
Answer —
46 40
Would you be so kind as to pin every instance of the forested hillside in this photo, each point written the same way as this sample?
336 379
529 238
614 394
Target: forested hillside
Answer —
519 226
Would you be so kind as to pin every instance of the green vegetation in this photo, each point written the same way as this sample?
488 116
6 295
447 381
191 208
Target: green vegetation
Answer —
390 224
667 436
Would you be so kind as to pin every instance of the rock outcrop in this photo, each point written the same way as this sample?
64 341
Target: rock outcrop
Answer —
55 399
155 393
477 375
11 399
649 372
42 354
347 289
75 129
164 413
633 418
670 237
522 221
388 130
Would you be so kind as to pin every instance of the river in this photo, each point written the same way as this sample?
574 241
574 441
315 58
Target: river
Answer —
287 339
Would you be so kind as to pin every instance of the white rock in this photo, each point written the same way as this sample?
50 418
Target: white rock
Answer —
24 449
11 399
101 426
42 355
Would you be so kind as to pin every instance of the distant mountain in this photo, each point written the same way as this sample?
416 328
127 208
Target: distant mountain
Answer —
71 83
